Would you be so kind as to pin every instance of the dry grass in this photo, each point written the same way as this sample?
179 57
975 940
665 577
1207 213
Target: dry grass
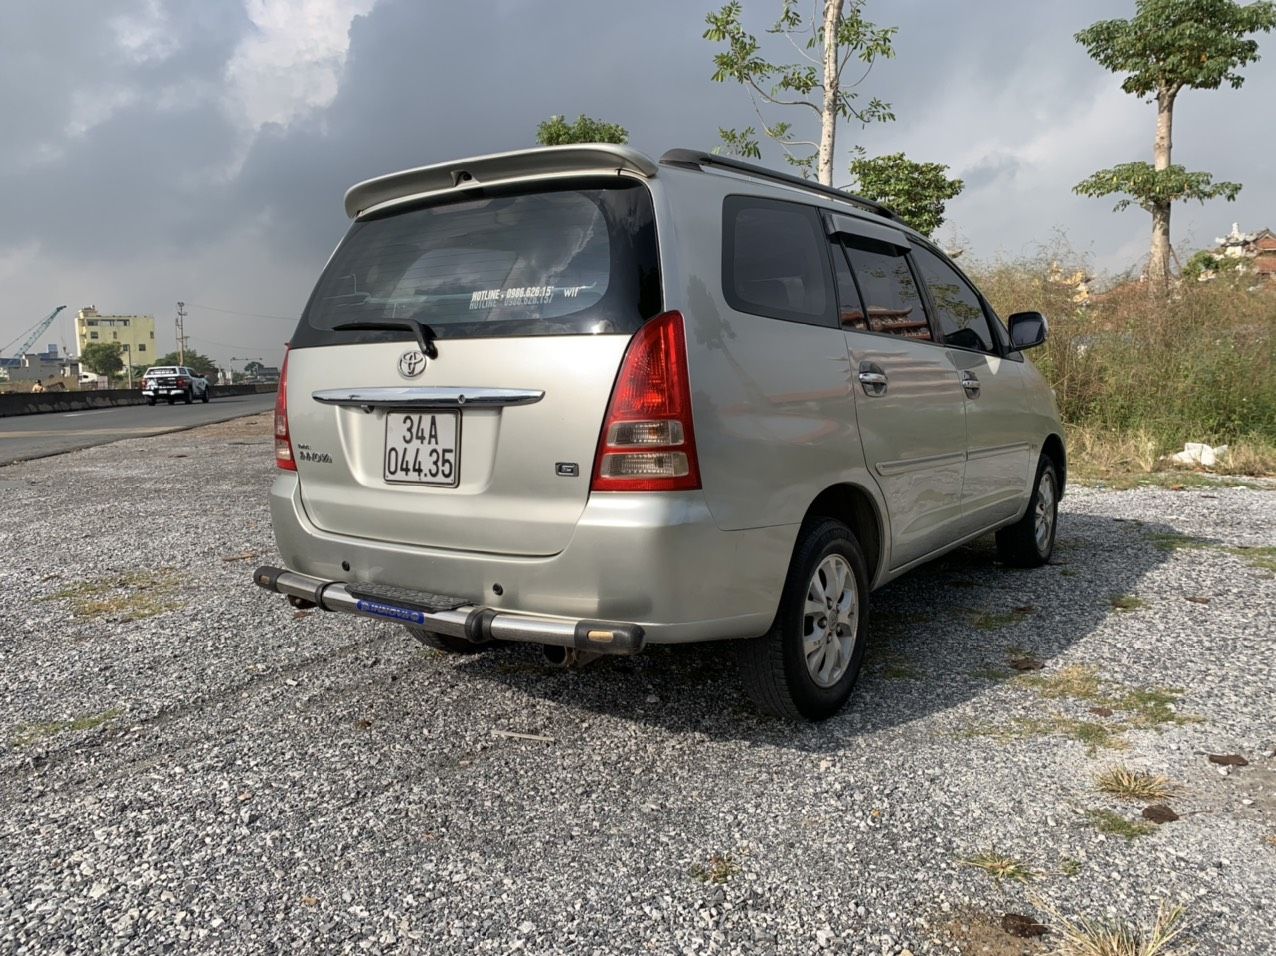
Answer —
125 596
1113 824
719 868
33 733
1138 375
1134 784
1077 682
1090 937
1127 602
999 866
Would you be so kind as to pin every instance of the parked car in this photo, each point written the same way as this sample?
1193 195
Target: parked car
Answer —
574 397
173 382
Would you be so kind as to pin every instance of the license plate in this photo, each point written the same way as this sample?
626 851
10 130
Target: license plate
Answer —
423 448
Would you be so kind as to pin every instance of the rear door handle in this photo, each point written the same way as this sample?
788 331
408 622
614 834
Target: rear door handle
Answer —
970 383
872 379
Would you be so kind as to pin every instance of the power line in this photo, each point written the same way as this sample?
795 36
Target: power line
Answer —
252 315
224 345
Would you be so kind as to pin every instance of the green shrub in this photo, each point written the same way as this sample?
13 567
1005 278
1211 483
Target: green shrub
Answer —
1199 365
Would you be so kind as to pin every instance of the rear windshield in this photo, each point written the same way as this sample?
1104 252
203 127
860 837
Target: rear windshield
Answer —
561 260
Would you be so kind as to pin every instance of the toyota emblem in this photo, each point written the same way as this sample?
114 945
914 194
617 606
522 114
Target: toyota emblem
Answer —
411 364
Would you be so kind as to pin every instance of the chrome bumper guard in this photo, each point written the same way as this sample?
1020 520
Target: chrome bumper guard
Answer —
476 624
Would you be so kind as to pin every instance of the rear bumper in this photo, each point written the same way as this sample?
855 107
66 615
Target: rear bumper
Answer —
655 561
476 624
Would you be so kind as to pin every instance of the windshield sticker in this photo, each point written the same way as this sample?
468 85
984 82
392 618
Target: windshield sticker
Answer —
521 296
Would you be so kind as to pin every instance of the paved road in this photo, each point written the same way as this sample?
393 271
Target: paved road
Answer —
24 437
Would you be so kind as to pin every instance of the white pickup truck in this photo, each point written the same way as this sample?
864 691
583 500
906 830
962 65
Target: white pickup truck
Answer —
173 382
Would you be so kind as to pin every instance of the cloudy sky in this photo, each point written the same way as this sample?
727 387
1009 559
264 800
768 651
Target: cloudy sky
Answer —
157 150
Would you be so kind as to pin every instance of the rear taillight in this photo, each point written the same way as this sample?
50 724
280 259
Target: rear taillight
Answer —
181 382
283 441
647 442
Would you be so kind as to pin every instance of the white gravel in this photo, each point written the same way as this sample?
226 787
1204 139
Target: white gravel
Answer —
228 776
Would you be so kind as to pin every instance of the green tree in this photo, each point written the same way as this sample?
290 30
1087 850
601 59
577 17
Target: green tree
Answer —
916 192
193 360
826 46
1166 47
556 131
103 358
253 367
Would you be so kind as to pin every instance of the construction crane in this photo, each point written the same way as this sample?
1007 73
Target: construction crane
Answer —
36 332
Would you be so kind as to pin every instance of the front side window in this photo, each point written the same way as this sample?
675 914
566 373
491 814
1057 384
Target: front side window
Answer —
961 314
892 301
774 262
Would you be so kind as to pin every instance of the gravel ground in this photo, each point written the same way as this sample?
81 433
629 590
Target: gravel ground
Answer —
187 763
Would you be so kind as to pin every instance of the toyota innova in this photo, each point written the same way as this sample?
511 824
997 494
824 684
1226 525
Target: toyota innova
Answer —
575 397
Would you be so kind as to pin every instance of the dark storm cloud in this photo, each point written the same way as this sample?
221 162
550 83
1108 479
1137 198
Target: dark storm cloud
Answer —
429 82
145 176
164 191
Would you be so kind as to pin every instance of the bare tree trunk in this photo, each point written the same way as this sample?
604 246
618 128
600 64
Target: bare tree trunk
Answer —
1159 258
828 114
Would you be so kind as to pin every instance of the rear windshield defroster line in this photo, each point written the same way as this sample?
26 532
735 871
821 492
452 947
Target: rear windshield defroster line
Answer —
568 258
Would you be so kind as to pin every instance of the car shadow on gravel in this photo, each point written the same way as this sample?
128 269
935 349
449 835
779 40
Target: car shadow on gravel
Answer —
941 636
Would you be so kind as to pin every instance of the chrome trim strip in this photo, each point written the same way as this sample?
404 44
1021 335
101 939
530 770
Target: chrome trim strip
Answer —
888 469
427 397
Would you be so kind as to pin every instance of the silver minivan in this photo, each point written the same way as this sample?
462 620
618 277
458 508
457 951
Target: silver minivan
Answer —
574 397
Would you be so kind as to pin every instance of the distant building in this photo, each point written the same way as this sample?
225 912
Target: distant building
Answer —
1257 247
136 333
40 366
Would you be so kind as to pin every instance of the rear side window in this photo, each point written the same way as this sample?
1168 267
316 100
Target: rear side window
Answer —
563 260
961 315
774 261
892 301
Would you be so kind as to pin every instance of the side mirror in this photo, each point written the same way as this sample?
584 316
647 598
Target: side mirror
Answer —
1027 330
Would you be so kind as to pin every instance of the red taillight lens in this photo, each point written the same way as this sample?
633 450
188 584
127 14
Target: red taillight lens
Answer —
181 381
647 442
283 441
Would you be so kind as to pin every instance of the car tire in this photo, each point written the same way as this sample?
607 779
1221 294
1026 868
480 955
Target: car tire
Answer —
446 642
205 397
1029 542
186 396
788 672
171 399
150 401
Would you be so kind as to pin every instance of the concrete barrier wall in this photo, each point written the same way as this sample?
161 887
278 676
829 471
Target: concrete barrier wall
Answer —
36 403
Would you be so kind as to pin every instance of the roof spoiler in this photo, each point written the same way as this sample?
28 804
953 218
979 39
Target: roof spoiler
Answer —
478 170
698 160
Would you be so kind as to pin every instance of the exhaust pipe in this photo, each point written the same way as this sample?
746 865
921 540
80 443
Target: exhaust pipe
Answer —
564 658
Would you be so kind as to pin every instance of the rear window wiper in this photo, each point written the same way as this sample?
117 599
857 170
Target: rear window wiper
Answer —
425 335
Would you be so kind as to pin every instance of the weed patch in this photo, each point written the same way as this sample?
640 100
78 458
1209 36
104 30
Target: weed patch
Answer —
1089 937
126 596
33 733
999 866
1126 602
1134 784
1113 824
1094 735
996 620
719 868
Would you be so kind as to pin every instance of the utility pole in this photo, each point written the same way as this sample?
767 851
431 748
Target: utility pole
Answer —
181 333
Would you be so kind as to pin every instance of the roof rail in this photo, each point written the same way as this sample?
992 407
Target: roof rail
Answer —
582 158
698 159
